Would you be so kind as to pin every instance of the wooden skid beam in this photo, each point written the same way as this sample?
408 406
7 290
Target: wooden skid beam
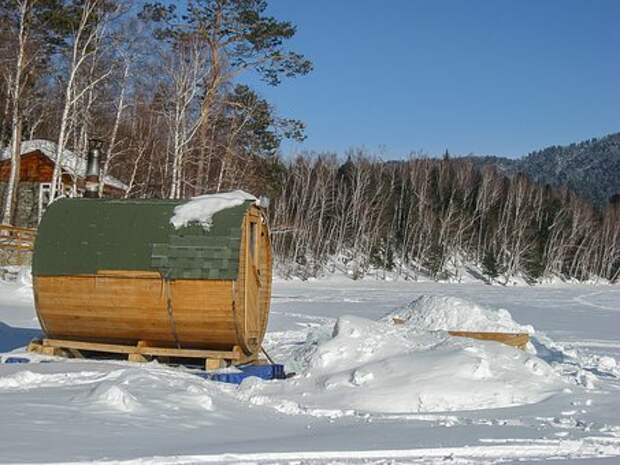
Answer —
143 350
39 348
213 364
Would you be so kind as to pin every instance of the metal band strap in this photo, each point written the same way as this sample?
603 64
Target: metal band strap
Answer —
170 311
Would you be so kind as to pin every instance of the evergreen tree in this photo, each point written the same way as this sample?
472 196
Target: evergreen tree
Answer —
490 265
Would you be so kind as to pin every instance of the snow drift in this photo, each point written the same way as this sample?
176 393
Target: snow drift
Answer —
378 367
122 390
412 365
447 313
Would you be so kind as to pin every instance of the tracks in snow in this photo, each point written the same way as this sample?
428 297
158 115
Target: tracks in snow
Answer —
582 299
498 451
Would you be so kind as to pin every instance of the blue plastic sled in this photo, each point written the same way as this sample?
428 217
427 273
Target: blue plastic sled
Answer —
267 372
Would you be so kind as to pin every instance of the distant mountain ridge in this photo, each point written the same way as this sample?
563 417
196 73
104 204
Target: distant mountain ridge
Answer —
590 168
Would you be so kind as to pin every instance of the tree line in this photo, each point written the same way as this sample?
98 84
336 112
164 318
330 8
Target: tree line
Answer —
436 218
164 90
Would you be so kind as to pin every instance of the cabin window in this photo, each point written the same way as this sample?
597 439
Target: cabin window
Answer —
253 242
45 190
69 190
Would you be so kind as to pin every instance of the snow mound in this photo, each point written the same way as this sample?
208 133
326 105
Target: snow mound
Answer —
447 313
202 208
115 397
140 390
27 380
107 389
377 367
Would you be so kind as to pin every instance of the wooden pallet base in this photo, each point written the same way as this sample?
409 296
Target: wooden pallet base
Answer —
142 352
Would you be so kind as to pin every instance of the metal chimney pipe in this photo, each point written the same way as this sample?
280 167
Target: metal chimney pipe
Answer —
92 169
263 201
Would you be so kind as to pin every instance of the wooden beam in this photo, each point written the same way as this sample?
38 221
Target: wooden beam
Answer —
8 227
138 357
214 364
518 340
35 346
128 274
144 350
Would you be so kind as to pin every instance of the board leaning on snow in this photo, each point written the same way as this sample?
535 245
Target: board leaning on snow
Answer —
366 389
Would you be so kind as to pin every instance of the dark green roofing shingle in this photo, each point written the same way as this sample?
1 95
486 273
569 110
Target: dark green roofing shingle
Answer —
82 236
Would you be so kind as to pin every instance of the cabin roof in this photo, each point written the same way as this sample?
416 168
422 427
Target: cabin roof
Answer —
70 163
84 236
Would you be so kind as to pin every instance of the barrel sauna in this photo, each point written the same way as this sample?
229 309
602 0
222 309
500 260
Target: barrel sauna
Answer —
118 272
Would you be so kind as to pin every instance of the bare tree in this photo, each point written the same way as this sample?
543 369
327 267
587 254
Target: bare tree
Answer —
186 66
86 41
15 83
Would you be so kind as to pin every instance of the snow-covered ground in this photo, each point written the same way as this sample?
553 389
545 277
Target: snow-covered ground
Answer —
367 390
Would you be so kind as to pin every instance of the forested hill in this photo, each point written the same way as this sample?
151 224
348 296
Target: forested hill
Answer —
590 168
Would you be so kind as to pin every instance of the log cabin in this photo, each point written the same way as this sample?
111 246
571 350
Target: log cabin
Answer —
36 169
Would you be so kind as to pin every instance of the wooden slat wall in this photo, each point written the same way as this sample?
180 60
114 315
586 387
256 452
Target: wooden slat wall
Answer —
125 309
203 312
34 167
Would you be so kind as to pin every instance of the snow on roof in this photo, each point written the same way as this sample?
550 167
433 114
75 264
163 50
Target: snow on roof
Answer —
202 208
71 162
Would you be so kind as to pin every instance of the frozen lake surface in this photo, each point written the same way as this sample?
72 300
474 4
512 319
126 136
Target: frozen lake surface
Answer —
74 411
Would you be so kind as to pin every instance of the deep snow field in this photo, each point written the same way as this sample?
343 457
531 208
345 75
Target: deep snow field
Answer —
366 390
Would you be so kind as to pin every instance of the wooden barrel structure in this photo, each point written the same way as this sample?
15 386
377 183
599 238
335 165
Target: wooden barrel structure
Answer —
118 272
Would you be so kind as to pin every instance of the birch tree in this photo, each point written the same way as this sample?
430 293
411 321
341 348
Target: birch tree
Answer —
92 18
30 23
186 66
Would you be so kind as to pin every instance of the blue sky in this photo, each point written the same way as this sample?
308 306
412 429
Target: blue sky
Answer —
489 77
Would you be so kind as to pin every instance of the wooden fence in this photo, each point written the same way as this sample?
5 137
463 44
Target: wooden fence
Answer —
14 239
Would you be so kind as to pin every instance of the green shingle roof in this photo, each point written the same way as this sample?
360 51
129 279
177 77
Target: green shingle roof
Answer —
82 236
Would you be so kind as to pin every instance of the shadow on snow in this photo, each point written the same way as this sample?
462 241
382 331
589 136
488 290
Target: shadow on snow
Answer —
13 338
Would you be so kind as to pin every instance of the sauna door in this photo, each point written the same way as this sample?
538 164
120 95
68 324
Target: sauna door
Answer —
252 277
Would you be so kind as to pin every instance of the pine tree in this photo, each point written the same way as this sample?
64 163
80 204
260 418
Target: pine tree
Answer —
490 265
237 36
